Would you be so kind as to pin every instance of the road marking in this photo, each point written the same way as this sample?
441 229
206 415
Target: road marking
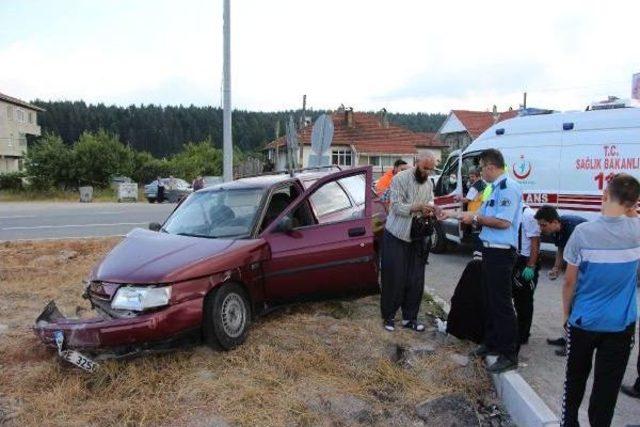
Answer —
39 227
62 238
18 216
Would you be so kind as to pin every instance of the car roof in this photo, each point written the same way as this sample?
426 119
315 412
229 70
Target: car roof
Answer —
269 180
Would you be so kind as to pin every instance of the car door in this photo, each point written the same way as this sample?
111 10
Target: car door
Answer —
332 253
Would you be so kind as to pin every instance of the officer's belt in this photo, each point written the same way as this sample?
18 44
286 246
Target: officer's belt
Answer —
495 245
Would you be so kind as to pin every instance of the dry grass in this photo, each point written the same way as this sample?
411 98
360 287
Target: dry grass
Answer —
291 358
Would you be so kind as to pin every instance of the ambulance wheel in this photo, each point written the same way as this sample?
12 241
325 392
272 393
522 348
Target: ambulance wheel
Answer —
438 240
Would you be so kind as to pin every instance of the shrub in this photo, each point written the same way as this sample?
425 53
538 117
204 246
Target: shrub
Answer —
11 180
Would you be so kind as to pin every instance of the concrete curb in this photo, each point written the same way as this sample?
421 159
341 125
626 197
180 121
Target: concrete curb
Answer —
524 405
526 408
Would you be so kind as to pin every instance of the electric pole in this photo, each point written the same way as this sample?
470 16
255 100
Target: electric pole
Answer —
227 146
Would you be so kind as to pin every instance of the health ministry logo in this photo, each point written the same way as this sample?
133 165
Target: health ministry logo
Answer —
522 168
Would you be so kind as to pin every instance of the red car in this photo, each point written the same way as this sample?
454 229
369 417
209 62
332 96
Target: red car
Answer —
226 254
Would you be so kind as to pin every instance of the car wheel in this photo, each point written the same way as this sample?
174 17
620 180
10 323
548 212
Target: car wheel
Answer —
438 240
227 316
151 199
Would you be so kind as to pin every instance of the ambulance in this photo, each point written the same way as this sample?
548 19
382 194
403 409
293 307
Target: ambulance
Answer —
562 159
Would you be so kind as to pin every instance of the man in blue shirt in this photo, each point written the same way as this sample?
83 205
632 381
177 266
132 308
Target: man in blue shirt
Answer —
560 227
499 217
599 302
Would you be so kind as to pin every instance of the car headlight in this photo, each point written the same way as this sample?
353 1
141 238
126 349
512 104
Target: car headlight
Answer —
140 298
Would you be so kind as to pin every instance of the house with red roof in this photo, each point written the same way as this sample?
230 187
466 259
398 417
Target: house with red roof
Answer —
362 139
463 126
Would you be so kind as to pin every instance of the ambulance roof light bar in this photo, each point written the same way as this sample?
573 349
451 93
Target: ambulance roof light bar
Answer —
614 102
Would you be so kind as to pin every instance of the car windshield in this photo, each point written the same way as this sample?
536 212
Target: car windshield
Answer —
224 213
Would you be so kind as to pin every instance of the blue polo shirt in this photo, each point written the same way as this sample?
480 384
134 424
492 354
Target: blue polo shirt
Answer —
505 203
606 252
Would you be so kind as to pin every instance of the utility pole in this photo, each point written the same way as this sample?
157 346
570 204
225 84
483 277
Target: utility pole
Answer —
275 162
227 147
524 101
302 123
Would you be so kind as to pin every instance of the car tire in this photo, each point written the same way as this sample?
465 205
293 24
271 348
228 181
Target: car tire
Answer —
151 199
438 240
227 316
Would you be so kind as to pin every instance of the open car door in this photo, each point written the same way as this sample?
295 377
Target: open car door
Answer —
322 244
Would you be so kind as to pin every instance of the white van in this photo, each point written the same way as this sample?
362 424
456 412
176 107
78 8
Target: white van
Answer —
562 159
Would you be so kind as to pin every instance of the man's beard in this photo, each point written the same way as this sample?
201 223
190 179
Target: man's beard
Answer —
420 176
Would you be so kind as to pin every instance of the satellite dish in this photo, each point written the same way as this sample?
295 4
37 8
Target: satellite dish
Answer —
321 138
292 146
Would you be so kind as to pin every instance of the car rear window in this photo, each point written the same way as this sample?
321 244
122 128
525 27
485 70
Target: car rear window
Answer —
329 198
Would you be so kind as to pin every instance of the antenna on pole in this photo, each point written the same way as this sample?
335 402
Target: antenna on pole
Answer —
303 122
227 147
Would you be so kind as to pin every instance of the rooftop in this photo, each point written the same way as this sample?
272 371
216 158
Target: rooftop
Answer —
477 122
16 101
369 133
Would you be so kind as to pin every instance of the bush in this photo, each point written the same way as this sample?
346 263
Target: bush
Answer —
50 163
11 180
99 156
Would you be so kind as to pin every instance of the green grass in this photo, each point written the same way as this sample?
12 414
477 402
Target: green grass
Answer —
99 195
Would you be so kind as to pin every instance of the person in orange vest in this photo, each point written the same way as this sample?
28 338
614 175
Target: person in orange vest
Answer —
385 180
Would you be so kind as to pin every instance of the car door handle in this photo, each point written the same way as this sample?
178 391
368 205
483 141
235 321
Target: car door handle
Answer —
357 231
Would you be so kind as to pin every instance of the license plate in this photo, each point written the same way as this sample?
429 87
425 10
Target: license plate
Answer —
79 360
72 356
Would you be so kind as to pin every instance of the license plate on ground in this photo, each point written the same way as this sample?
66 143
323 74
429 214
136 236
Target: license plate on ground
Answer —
79 360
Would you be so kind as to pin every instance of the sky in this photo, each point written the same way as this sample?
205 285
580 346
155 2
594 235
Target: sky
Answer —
403 55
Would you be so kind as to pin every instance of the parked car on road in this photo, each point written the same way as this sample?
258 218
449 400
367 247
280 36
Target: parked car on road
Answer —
225 255
172 193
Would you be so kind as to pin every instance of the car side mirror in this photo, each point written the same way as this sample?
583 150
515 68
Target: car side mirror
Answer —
285 225
154 226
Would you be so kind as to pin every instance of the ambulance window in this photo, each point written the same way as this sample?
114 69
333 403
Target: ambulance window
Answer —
447 183
468 164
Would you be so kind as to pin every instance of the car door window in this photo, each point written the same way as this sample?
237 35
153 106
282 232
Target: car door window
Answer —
278 202
355 186
328 199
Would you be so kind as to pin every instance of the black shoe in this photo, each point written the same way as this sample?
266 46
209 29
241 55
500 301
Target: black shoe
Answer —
631 391
561 352
389 325
413 325
560 342
503 364
482 351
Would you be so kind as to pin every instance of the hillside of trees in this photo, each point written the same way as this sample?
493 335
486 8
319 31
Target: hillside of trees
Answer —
162 131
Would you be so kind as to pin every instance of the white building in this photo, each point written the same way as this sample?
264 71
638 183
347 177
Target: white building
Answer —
17 120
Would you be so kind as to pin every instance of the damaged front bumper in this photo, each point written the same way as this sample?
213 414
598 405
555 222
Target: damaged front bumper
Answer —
107 336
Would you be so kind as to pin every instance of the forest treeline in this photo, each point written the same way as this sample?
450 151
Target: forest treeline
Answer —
162 131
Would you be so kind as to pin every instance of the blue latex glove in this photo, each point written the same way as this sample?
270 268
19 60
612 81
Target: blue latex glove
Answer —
527 274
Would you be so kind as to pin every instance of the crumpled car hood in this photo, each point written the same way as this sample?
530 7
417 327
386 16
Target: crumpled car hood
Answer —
152 257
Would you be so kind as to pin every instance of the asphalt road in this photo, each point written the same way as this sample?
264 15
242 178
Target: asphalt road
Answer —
49 220
539 365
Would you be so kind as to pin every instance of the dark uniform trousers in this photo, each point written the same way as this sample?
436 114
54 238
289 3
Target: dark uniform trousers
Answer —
402 277
523 298
612 354
501 330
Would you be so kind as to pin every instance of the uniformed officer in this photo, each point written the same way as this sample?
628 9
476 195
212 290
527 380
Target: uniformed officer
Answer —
499 217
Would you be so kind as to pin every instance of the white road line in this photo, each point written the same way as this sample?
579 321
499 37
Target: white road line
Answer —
62 238
18 216
39 227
